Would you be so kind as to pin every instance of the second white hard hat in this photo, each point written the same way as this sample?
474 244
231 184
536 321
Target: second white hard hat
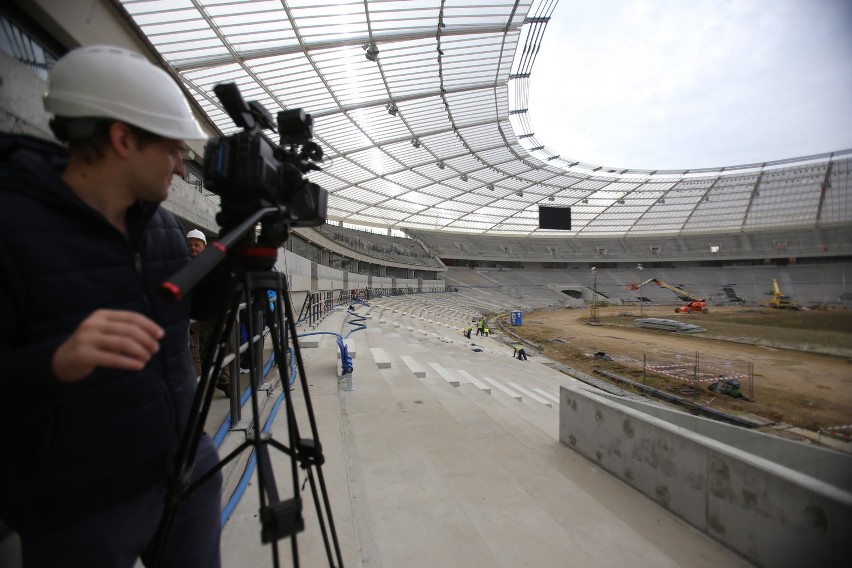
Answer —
196 234
102 81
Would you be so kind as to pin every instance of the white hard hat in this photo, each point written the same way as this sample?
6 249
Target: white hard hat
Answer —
196 234
102 81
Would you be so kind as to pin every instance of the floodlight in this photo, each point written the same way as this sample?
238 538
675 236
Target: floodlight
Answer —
371 51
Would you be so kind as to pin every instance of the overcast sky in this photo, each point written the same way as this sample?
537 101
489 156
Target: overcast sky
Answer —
675 84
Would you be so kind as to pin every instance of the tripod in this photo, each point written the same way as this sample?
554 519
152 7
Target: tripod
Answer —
250 275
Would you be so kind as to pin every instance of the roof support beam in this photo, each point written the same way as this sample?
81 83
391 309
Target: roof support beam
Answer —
412 97
359 40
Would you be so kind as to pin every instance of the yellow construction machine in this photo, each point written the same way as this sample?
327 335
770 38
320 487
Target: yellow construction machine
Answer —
779 300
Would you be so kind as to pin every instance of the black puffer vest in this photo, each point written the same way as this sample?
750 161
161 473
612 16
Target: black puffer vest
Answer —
69 450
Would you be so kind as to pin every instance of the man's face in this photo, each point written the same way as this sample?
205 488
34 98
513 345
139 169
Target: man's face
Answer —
195 246
154 164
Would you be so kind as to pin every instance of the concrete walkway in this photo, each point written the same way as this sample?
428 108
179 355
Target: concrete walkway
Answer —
450 456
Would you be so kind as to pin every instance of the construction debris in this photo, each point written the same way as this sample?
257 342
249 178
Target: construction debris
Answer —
669 325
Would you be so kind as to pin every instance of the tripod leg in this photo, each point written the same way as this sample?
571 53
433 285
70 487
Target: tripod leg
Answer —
185 456
315 459
278 518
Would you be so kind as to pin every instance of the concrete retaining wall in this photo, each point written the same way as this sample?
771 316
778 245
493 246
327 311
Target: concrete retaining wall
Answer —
297 268
434 286
358 280
328 278
720 478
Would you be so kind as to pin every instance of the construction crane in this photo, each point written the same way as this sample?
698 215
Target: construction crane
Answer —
693 303
779 300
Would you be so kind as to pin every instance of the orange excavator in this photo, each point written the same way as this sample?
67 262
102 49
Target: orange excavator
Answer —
693 303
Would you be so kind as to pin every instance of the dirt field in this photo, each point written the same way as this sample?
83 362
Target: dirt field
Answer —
802 360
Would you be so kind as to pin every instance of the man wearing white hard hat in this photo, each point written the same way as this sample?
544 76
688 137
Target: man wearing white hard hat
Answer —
97 379
202 331
197 242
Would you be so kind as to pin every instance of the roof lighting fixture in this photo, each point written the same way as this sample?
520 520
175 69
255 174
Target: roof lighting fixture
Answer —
490 187
415 142
440 165
371 51
464 177
392 110
551 198
585 201
520 193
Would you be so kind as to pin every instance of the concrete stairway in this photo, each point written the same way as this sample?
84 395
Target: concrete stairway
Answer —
445 452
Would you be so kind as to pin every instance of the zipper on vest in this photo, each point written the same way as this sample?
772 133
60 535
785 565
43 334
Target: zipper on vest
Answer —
140 269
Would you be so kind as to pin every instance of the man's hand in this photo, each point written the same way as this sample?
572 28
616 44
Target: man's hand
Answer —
108 338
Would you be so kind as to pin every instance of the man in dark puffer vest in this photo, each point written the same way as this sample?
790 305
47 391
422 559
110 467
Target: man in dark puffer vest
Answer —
97 379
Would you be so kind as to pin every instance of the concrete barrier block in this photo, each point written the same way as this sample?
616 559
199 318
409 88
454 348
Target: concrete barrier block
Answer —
772 514
413 365
380 357
503 388
445 374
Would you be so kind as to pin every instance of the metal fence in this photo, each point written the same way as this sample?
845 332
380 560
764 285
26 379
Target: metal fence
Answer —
703 372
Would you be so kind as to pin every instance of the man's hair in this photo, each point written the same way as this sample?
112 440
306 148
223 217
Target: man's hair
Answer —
89 137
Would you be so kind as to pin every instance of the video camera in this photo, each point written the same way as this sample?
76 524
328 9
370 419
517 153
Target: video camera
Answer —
246 169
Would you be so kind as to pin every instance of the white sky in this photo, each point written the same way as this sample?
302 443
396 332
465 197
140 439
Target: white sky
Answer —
675 84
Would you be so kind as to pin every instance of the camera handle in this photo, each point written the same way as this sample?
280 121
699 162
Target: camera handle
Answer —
279 518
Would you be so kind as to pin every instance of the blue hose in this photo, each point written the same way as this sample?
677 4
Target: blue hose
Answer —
237 495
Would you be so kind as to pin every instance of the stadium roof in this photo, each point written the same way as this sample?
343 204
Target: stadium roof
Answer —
420 109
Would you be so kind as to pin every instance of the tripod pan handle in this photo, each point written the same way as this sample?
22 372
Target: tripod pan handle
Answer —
187 277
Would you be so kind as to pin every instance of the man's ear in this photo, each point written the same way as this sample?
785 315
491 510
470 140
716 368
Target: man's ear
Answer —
121 139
